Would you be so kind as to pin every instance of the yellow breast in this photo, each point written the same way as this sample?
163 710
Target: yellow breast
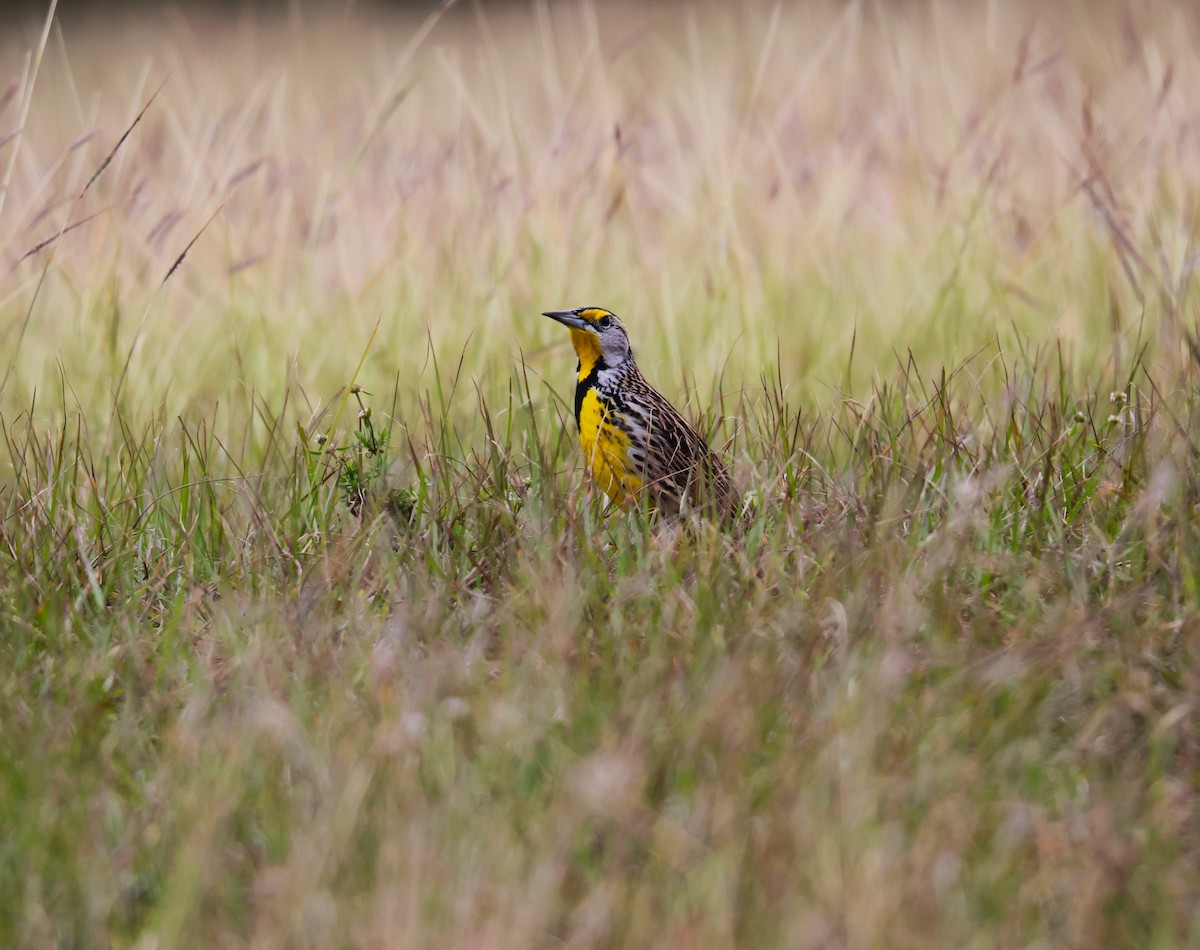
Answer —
606 450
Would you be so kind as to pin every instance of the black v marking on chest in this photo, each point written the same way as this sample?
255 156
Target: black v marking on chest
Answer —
582 387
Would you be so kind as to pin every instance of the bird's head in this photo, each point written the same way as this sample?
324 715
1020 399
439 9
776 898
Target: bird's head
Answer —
598 336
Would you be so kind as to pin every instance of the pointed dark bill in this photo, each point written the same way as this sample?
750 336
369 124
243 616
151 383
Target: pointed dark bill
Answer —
567 318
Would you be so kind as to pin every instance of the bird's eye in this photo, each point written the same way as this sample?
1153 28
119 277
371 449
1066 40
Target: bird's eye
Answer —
604 322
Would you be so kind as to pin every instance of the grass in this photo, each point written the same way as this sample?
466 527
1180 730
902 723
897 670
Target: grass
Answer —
313 633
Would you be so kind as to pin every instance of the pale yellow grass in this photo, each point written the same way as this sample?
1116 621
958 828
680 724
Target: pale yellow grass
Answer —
741 184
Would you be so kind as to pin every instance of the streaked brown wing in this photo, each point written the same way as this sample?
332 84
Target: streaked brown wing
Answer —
678 461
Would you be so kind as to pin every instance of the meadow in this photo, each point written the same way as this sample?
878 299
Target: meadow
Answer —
313 632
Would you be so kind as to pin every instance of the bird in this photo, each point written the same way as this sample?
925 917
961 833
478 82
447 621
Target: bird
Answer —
634 441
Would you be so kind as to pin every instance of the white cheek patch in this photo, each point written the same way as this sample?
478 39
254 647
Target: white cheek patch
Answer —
616 353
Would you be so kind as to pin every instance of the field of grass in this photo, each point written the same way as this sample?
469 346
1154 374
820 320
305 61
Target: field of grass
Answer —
312 632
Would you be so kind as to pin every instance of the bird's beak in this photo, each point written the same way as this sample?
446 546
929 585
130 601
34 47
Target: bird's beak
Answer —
568 318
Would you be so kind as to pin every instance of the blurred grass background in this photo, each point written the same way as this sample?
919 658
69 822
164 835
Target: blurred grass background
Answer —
748 188
283 671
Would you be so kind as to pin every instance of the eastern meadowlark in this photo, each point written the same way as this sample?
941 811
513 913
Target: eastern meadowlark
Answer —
635 441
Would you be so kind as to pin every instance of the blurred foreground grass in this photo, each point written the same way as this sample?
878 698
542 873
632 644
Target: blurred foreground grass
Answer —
289 663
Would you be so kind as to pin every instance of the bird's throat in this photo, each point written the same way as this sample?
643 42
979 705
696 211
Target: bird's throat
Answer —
587 348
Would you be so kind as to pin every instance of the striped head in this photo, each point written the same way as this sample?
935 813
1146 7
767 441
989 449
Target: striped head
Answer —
600 340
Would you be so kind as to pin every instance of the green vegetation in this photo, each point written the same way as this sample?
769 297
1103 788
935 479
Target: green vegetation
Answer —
312 632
